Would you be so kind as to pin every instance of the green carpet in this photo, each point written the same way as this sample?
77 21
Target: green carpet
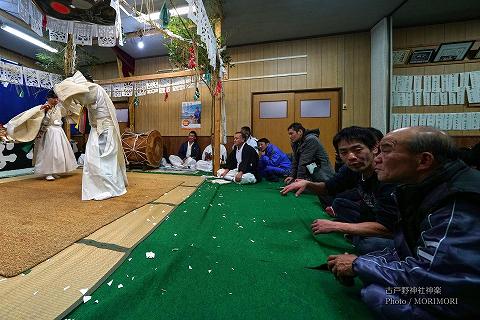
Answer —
231 252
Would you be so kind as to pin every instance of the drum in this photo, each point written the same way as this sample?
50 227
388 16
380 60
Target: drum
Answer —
144 148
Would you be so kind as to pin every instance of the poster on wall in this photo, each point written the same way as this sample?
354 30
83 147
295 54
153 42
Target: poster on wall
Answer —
191 115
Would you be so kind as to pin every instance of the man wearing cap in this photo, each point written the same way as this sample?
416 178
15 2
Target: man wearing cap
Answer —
53 154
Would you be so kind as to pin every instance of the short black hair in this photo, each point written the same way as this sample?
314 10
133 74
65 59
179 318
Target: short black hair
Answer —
244 136
88 77
296 126
246 130
193 132
377 133
354 133
264 140
51 94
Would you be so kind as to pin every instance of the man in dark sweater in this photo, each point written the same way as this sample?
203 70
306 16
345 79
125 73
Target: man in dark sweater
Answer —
242 162
371 219
310 160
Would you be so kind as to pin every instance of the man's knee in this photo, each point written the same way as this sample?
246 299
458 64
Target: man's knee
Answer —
364 245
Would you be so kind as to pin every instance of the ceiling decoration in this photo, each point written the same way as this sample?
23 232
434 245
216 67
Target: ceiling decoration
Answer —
98 12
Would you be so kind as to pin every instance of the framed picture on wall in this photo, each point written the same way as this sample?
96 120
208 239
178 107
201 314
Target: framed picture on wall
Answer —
453 51
421 56
400 56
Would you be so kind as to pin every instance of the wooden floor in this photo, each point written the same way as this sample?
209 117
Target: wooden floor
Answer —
53 288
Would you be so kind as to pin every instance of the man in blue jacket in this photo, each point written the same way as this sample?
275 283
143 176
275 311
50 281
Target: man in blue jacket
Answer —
434 273
273 163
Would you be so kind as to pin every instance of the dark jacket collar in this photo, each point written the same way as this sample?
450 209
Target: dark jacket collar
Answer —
416 201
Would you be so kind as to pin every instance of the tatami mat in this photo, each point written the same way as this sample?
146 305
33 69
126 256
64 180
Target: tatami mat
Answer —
52 288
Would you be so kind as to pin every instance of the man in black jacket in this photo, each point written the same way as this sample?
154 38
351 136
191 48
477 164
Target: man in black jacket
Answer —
242 162
370 219
188 154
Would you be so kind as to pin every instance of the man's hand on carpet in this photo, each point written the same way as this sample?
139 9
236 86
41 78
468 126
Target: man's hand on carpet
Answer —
224 173
330 212
288 180
341 265
238 176
298 185
324 226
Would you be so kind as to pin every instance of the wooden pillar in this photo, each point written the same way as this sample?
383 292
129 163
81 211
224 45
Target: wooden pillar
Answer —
217 111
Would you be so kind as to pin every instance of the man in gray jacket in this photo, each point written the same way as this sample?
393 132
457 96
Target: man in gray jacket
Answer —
310 160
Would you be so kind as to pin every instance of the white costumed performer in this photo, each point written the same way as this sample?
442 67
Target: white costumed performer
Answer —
53 153
104 169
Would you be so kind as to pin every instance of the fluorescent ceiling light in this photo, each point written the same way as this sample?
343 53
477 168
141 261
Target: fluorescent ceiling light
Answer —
10 61
28 38
181 11
140 44
156 15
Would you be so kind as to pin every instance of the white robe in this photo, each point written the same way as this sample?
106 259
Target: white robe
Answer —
53 152
207 165
247 178
104 170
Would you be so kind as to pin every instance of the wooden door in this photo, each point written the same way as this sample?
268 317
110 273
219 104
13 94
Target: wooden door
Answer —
320 109
271 115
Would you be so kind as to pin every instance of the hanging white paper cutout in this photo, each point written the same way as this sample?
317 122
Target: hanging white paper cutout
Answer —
11 73
55 78
127 89
58 29
44 80
31 77
152 86
140 88
36 18
24 10
106 36
82 33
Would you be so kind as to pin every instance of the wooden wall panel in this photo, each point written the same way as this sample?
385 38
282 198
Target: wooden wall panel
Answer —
105 71
256 68
332 62
27 62
348 80
314 63
361 102
329 62
284 49
270 67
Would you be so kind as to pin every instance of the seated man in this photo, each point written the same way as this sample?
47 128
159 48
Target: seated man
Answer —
273 162
207 157
310 160
370 220
434 272
250 140
242 162
188 154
